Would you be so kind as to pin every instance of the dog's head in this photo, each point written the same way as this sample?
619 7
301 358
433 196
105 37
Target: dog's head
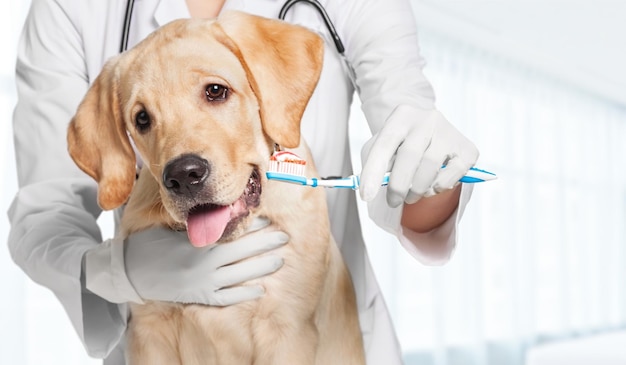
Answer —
204 101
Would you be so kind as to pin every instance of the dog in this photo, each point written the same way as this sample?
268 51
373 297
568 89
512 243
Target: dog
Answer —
205 103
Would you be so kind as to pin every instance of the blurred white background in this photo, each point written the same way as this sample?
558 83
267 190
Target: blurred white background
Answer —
537 277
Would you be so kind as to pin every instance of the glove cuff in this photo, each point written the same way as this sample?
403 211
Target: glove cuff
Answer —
105 273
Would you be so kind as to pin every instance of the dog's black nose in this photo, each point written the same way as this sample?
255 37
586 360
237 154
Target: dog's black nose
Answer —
185 174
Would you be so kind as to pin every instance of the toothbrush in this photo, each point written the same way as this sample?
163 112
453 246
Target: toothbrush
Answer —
286 167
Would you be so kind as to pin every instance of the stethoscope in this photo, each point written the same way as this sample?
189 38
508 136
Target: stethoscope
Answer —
281 15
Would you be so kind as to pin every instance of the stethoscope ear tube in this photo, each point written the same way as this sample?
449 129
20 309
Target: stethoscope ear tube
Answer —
126 27
322 11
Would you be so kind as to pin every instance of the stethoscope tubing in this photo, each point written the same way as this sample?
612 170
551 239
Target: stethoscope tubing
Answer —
126 27
329 24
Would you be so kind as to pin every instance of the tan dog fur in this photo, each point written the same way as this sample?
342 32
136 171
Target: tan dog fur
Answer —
308 314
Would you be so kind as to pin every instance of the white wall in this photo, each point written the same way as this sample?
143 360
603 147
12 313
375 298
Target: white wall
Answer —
578 41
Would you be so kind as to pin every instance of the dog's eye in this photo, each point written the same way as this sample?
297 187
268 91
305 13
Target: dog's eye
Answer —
216 92
142 121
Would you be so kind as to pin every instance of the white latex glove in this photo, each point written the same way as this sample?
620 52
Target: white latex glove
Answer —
413 145
160 264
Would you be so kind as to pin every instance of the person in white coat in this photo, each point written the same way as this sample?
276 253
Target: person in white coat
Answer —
54 236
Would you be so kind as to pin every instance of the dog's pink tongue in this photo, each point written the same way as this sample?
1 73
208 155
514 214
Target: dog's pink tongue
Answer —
206 226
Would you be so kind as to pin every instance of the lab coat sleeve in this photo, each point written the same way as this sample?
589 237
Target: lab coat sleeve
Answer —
382 47
53 216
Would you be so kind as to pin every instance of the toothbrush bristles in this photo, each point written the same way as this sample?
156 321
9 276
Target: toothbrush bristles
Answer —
287 167
287 162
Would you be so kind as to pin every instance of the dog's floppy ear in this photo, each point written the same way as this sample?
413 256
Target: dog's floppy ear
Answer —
283 63
98 143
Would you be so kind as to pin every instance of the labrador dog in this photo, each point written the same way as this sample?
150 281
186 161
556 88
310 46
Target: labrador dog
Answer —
206 102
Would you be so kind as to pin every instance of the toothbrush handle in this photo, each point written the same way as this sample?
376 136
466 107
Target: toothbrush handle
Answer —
474 175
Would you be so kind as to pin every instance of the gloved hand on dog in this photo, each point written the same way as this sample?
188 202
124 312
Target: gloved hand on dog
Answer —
413 145
160 264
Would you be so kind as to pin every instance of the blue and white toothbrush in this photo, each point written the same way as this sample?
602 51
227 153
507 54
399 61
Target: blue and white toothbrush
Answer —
287 167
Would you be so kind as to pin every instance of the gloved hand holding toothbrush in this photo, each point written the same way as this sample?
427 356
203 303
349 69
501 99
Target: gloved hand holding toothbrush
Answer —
413 145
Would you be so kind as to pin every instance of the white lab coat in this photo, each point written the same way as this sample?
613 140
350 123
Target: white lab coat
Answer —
53 217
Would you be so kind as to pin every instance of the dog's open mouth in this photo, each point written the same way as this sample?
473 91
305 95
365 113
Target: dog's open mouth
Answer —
208 223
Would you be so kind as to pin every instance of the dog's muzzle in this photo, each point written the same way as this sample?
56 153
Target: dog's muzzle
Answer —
207 221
